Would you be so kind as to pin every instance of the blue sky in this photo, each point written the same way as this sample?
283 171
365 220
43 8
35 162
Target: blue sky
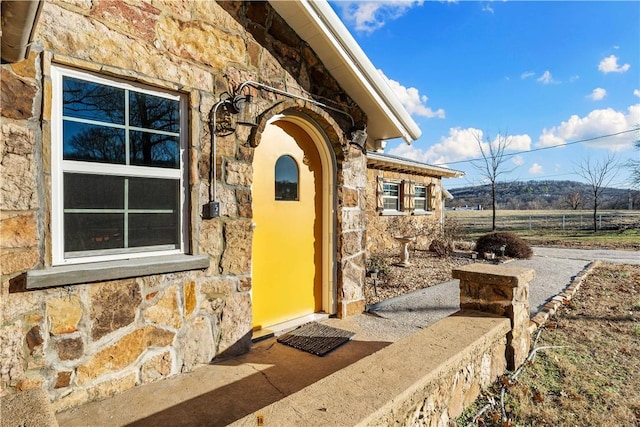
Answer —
543 73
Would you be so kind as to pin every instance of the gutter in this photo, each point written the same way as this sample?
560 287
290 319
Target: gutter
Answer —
19 19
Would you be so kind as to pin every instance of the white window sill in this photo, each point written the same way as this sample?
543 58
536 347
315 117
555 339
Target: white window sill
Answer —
422 213
112 270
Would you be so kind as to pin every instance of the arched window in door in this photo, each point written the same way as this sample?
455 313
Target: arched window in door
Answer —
286 178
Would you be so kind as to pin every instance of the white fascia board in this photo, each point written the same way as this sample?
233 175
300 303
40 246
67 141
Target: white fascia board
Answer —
351 62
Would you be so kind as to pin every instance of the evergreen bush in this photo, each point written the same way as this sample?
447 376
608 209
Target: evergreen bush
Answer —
515 247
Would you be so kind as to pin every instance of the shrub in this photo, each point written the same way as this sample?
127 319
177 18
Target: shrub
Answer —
440 248
515 246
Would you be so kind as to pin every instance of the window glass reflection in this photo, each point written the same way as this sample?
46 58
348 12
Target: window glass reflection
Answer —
152 112
93 101
286 177
93 143
149 149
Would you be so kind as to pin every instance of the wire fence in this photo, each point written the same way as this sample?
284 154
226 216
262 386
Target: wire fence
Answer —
541 220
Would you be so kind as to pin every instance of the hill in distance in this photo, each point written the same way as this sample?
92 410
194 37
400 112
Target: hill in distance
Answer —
543 195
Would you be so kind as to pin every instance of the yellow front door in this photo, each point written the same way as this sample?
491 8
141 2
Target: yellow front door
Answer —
287 240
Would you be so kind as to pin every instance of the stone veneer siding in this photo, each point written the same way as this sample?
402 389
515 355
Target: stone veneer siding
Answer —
380 230
89 341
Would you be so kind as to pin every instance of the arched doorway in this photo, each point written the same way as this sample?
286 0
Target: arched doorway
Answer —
292 257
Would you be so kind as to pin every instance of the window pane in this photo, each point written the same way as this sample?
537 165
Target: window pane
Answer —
92 143
286 176
93 191
154 229
391 189
390 203
421 204
149 149
92 101
153 112
421 191
86 231
148 193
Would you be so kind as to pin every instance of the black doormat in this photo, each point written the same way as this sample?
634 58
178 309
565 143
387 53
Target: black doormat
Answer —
316 338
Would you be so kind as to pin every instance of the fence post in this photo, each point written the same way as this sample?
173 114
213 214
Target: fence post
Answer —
529 222
503 291
563 222
600 224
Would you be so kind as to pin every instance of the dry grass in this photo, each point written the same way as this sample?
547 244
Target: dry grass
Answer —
593 380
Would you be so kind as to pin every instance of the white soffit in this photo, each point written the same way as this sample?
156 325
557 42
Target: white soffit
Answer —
317 24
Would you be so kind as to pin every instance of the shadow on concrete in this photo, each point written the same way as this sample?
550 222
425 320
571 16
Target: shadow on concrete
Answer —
278 371
221 392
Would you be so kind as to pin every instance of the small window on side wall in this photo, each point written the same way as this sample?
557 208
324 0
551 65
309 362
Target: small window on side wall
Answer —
286 179
420 198
391 196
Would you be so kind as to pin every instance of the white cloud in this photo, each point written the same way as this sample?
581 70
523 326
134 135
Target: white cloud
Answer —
412 100
487 8
519 143
597 123
636 92
536 169
546 78
518 160
598 93
610 65
527 74
368 16
460 144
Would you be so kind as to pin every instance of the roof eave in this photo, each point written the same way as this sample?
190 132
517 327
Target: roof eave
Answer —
317 24
407 165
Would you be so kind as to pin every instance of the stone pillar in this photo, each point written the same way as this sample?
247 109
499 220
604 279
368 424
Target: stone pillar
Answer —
503 291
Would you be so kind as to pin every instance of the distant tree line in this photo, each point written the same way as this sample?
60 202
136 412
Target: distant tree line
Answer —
543 195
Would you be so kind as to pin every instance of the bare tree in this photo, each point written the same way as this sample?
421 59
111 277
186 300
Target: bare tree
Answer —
635 166
574 200
598 175
491 166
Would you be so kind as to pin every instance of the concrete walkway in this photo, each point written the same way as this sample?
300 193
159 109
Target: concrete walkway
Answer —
222 392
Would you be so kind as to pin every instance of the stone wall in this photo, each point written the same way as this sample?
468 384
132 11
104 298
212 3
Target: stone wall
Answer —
431 376
382 228
89 341
425 379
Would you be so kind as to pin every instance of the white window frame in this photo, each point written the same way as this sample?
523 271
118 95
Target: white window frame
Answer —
59 166
424 199
385 197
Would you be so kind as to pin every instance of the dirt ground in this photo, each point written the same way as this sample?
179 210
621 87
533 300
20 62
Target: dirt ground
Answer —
589 372
426 270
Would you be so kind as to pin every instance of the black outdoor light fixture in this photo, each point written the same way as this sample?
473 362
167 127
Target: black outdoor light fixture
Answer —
221 123
358 136
225 109
239 106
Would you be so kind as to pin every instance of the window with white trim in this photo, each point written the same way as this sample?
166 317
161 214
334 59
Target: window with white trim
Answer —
420 198
118 169
391 196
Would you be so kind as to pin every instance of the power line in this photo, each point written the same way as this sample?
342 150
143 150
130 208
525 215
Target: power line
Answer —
541 148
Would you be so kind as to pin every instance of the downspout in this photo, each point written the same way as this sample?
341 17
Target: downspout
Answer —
19 19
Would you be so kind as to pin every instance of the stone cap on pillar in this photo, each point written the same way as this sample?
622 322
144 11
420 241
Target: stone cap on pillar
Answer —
491 274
